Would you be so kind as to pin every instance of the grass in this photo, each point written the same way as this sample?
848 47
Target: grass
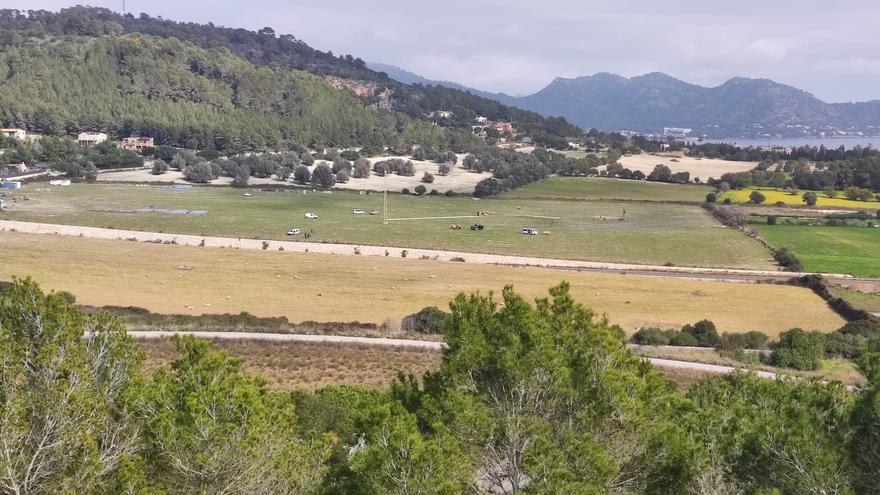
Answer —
775 195
296 365
308 286
866 301
653 233
594 188
854 250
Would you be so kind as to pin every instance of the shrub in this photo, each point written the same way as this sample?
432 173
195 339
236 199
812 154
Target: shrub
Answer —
787 260
350 155
443 169
653 336
361 169
407 169
866 327
771 219
159 167
684 340
342 176
843 345
748 340
799 350
704 332
323 177
427 320
341 164
405 190
302 174
810 198
200 173
428 178
450 193
757 197
711 198
421 189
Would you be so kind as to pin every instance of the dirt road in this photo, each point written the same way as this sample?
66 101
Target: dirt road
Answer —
418 344
723 274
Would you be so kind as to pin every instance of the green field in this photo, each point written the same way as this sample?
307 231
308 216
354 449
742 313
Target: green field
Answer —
599 188
653 233
852 250
867 301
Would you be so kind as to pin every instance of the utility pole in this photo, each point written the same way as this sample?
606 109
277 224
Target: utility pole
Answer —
385 201
123 7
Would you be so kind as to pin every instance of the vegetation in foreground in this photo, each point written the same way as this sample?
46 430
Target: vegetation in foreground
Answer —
310 286
527 399
854 250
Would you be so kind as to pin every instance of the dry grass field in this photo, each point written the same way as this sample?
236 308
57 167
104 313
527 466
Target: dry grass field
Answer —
307 286
704 168
290 365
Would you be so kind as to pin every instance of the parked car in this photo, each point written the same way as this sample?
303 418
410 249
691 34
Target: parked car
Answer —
477 226
311 216
357 211
293 232
529 231
247 195
374 212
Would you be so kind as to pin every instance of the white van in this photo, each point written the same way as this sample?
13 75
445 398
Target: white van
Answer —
293 232
529 231
311 216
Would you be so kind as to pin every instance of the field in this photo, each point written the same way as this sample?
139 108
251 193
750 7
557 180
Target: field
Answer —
308 286
854 250
652 233
775 195
703 168
593 188
288 365
869 302
458 179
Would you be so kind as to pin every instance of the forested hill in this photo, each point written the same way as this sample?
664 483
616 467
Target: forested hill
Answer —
264 49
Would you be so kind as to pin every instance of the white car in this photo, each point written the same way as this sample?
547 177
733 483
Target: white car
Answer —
247 195
357 211
374 212
311 216
293 232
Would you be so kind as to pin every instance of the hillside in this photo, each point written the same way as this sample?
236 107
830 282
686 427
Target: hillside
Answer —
177 92
740 107
264 48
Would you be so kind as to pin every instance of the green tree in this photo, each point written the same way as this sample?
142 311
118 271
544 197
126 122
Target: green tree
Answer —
302 174
757 197
799 349
283 173
865 446
210 428
199 173
66 401
810 198
159 167
323 176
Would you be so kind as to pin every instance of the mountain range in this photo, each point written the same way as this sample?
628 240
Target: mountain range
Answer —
741 107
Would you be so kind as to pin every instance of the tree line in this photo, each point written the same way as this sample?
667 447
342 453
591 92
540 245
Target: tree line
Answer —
529 398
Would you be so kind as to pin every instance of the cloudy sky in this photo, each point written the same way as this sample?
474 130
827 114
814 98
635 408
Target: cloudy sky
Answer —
827 48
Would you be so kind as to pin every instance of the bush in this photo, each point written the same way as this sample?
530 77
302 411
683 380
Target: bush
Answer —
866 327
787 260
428 178
323 177
361 168
350 155
428 320
841 345
200 173
711 198
653 336
159 167
302 174
799 350
757 197
771 219
342 177
704 332
810 198
450 193
684 340
341 164
748 340
407 169
421 189
443 169
405 190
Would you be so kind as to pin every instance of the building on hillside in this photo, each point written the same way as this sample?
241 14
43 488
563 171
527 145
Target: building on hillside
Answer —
136 143
14 133
91 138
482 120
676 132
15 168
10 184
504 127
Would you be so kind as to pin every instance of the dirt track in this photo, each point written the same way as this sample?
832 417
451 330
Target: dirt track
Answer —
350 249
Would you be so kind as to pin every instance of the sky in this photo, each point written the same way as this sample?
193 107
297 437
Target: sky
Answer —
827 48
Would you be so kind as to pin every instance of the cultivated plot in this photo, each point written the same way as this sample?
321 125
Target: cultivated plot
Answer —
854 250
592 188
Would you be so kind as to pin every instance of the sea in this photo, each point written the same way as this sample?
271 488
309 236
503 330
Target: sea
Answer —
832 142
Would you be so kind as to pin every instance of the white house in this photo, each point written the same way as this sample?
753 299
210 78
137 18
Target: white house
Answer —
14 133
91 138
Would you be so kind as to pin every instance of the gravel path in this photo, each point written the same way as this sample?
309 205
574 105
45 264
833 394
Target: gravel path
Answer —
365 250
418 344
